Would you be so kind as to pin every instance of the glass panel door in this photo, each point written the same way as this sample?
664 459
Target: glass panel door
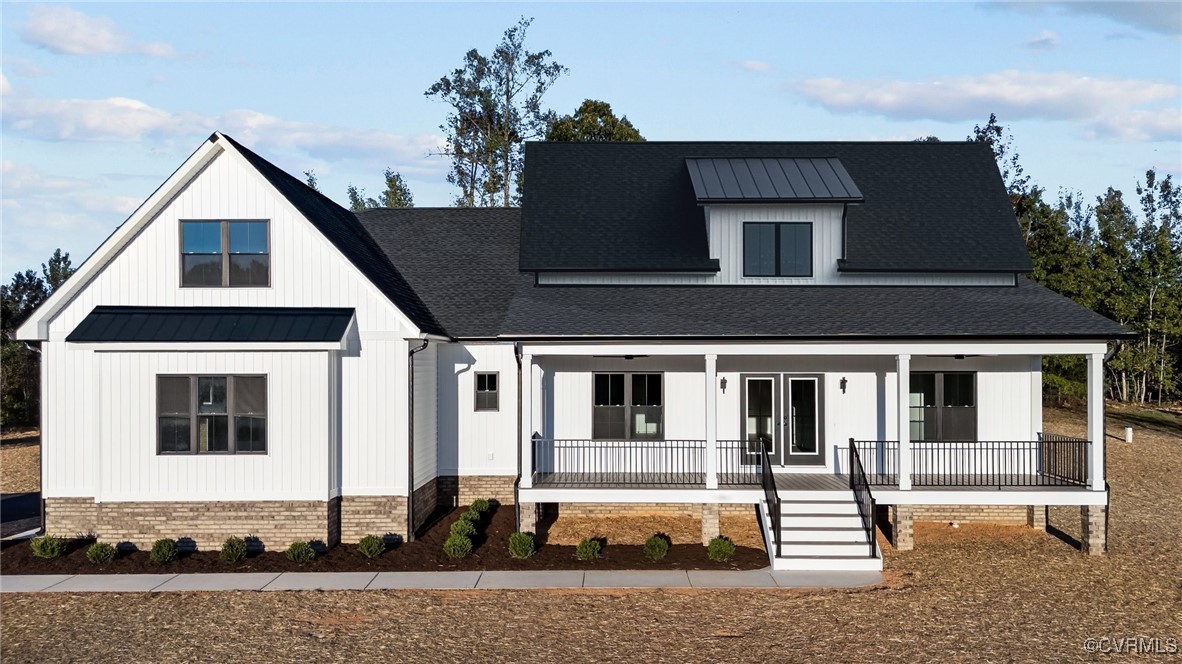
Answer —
801 421
760 416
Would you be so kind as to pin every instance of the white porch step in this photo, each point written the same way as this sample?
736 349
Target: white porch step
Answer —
820 521
828 563
790 507
825 549
823 535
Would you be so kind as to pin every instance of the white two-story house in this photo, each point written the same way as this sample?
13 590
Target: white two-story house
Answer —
809 333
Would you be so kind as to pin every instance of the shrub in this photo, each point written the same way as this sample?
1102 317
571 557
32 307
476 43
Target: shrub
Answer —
481 505
588 549
48 546
457 546
656 547
463 528
100 553
163 551
371 546
471 515
521 545
233 550
720 549
300 553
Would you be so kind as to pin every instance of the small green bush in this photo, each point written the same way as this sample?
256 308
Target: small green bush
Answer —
463 528
371 546
233 550
100 553
300 553
48 546
588 549
471 515
481 505
521 545
163 551
457 546
656 547
720 549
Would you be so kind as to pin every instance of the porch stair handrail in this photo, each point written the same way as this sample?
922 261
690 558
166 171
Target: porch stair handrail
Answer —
867 508
770 495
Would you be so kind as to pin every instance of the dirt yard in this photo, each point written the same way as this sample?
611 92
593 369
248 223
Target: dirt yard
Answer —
20 461
992 593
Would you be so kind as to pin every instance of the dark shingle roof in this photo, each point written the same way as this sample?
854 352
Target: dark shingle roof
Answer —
345 232
211 324
787 312
461 261
771 181
631 206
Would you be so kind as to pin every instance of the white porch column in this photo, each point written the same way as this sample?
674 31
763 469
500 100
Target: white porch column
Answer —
527 421
711 421
1096 420
903 424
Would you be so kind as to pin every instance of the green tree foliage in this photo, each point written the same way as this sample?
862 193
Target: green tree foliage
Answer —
396 195
357 199
593 121
1001 141
20 363
311 181
496 106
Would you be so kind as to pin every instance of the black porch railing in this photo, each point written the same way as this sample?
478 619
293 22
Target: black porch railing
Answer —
771 496
569 462
864 499
1052 460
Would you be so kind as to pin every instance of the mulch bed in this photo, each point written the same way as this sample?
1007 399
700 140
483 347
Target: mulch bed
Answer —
424 554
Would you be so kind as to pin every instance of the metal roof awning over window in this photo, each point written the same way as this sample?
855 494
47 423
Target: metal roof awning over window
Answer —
214 325
801 180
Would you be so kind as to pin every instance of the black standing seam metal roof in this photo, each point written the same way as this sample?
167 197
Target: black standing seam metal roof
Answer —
346 233
212 324
927 207
799 180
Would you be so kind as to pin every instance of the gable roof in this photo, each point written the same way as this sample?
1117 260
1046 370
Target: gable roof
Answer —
928 207
461 261
343 230
107 324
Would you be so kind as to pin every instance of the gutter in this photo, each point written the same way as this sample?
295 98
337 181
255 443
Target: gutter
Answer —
410 439
517 481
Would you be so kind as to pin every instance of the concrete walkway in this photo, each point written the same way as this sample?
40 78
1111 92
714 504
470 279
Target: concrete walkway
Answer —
763 578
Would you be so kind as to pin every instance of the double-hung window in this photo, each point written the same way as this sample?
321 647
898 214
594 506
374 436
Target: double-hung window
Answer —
211 414
944 406
628 406
777 249
487 395
217 254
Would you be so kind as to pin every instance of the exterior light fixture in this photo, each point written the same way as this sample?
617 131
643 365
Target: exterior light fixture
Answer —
843 383
722 384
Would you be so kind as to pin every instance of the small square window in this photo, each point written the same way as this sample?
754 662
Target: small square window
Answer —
487 394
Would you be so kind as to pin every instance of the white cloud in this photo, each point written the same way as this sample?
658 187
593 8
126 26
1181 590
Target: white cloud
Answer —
1099 104
66 31
23 67
5 86
1045 40
114 118
756 66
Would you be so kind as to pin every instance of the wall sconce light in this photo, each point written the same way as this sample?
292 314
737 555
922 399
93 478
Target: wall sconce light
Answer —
722 384
843 383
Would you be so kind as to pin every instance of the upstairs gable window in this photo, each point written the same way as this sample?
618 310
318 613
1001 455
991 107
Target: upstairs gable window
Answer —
778 249
218 254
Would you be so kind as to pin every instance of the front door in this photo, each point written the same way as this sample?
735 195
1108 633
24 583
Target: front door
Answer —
782 413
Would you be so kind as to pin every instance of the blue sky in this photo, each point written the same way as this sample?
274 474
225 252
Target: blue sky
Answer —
101 102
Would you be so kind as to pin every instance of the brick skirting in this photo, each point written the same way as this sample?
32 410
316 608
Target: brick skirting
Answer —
462 490
275 523
372 515
1006 515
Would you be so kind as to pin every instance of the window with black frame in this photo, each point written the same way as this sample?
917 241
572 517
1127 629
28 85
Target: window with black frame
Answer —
487 395
216 254
211 414
944 406
628 406
777 249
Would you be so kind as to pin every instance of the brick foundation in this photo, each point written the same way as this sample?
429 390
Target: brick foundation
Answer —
710 525
464 489
1006 515
205 525
426 498
1036 517
1093 523
903 527
528 517
372 515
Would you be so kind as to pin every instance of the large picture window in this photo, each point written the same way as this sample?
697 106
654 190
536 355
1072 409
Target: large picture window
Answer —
217 254
778 249
628 406
944 406
211 414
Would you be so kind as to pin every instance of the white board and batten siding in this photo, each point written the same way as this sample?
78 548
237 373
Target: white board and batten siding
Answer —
473 442
426 375
306 271
725 227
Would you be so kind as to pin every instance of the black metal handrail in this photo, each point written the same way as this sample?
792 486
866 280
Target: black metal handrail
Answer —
770 495
1052 460
738 463
880 460
867 508
571 461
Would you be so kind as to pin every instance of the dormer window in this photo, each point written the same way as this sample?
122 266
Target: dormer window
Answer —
219 254
778 249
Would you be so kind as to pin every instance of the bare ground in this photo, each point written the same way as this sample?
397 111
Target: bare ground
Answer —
992 593
20 461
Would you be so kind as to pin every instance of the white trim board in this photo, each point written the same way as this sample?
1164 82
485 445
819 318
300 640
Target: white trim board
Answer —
885 348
